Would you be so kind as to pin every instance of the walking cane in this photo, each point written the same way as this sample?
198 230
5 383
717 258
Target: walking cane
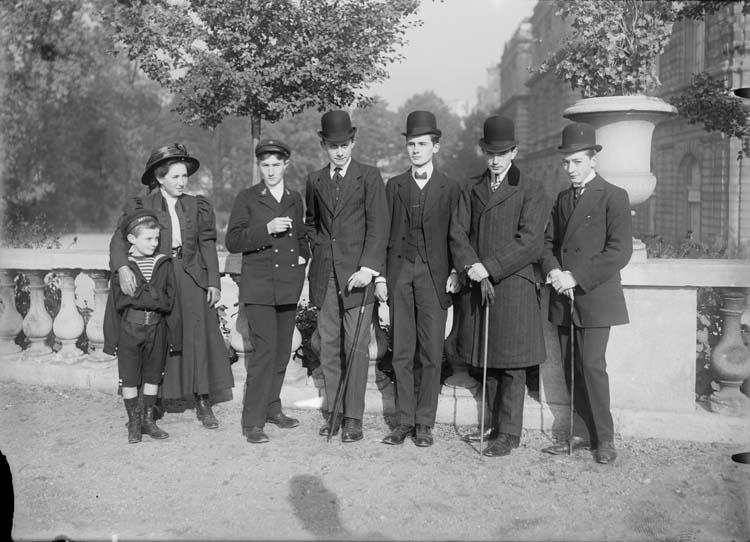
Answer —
572 374
488 296
344 380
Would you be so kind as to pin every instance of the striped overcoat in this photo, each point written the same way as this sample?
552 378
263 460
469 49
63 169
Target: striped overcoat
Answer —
504 231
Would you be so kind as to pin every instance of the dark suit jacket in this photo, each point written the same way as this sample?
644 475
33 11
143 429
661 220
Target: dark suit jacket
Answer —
198 230
442 198
347 235
504 231
271 273
594 242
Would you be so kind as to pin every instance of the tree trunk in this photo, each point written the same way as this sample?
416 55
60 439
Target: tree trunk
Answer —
255 131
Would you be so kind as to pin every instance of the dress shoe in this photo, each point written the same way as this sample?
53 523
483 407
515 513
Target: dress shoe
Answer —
256 435
323 432
490 433
502 445
282 420
561 448
605 452
423 436
352 431
399 434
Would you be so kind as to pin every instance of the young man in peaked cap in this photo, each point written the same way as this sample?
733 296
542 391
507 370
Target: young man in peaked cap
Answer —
347 222
418 279
588 241
498 234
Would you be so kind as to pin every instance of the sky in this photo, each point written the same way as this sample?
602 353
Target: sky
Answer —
451 51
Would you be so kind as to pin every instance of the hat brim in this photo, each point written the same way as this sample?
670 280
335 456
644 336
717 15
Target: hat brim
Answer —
339 137
191 163
424 130
497 146
577 148
286 153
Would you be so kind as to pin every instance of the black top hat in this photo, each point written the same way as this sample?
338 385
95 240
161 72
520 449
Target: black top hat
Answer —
336 127
421 123
159 155
578 136
133 218
272 145
499 134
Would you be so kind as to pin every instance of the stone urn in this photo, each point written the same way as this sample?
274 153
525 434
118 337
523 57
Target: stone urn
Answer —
730 358
624 126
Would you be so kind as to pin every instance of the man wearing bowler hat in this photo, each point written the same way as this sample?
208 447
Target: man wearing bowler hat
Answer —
498 234
588 241
347 221
418 280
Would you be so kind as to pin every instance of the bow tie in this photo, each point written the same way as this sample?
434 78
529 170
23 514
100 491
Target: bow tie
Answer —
422 175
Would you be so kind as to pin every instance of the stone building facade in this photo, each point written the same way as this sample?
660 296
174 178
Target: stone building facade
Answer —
701 186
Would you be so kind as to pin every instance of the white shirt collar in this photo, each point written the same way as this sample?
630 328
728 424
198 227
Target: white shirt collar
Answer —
344 168
277 191
587 180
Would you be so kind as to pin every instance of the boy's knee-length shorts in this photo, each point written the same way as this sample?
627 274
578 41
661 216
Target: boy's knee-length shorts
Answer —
141 353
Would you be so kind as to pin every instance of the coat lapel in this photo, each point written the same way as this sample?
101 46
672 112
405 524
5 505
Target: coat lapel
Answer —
402 189
434 193
322 184
481 189
507 188
350 184
589 198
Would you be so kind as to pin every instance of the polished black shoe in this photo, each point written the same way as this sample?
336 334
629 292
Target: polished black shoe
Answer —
204 413
255 435
149 427
489 434
283 421
352 430
323 432
399 434
562 448
502 445
605 452
423 436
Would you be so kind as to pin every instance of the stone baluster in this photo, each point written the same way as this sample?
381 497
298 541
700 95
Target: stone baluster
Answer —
95 325
11 321
730 359
37 323
68 324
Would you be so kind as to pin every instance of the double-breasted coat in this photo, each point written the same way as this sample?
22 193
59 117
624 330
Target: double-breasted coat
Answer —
504 230
271 272
442 197
594 241
347 235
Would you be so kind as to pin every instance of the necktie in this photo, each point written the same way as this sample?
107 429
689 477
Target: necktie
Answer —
577 191
337 178
495 184
422 175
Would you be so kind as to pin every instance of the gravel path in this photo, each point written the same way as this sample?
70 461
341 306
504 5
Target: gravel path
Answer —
74 475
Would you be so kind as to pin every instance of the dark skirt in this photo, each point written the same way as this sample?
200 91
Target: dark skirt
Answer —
203 366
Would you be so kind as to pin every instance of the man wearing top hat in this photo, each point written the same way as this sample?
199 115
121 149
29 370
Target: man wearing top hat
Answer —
418 279
587 242
498 234
347 222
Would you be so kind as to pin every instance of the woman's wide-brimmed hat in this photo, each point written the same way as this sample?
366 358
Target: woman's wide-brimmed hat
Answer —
421 123
578 136
499 134
336 127
175 151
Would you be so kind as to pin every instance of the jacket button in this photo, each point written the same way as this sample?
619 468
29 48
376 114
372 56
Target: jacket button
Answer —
333 240
276 265
290 234
292 265
276 250
291 250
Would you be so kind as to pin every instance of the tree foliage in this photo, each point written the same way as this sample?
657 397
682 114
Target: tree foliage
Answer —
263 59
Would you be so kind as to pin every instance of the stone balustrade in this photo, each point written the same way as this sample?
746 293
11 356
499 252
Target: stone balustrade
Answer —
651 361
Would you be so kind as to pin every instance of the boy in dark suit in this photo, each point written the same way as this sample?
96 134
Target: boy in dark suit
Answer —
140 328
347 224
588 241
418 279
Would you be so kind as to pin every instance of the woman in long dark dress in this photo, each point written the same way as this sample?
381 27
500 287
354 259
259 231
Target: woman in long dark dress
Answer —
202 370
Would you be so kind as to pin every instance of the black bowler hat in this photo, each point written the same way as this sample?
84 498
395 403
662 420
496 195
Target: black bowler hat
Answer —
336 127
499 134
133 218
743 92
578 136
160 155
272 145
421 123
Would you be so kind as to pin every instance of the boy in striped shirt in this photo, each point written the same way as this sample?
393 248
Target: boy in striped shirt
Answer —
142 328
